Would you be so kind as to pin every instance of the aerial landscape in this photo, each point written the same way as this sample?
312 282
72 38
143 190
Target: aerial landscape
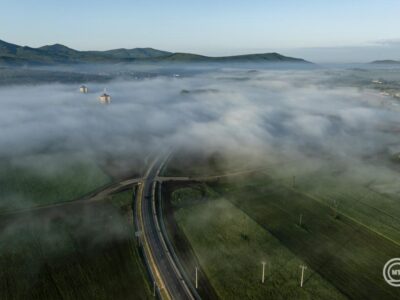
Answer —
199 150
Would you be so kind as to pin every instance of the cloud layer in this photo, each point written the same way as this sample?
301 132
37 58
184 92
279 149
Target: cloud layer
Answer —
257 113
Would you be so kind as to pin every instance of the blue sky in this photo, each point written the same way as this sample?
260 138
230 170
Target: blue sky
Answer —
346 30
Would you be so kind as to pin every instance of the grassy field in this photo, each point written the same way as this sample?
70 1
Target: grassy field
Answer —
23 186
72 252
189 163
372 202
183 163
231 246
347 253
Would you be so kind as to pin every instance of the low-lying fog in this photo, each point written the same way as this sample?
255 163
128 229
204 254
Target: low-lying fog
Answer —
265 115
251 118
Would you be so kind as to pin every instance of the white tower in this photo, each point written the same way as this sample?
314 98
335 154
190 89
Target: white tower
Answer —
105 98
83 89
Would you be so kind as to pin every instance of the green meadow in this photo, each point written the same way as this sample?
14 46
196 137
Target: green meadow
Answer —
77 252
44 181
243 221
231 247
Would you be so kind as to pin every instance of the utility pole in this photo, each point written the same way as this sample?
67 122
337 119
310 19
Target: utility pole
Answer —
263 272
197 282
303 267
335 206
301 220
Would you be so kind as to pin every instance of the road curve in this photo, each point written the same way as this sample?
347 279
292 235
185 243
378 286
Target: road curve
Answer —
98 195
167 277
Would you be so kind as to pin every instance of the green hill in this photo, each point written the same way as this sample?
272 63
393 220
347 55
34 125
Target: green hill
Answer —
248 58
11 54
135 53
386 62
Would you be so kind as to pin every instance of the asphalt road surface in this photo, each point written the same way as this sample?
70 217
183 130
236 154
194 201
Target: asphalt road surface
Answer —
167 277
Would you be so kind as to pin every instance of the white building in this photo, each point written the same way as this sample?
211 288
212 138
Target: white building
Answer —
105 98
83 89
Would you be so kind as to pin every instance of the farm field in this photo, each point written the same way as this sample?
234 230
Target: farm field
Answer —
342 250
230 247
371 202
193 164
24 187
85 251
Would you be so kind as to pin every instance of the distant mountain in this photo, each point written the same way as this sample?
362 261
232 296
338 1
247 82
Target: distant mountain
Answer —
136 53
59 49
386 62
11 54
59 54
8 48
248 58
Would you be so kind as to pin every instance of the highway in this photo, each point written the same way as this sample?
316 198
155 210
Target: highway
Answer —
165 270
169 282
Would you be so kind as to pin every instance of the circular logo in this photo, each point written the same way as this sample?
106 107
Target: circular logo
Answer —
391 272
